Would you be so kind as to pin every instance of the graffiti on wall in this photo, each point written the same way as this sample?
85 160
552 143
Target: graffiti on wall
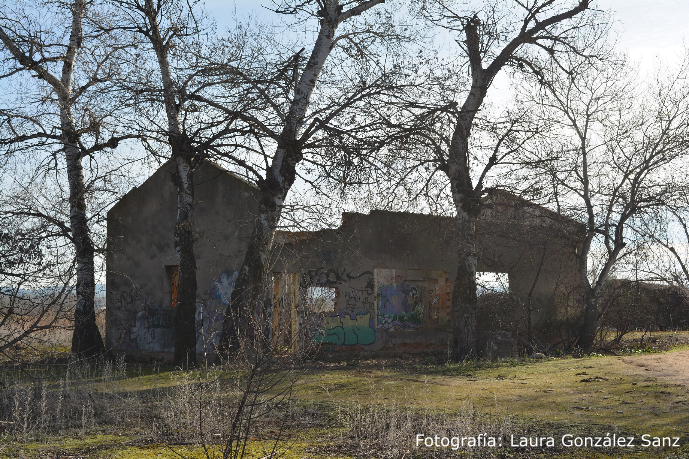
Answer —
208 327
152 327
435 304
332 276
347 331
223 287
153 330
400 306
355 304
210 314
411 299
120 335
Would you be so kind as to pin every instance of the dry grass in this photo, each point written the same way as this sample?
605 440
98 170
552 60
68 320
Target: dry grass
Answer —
354 408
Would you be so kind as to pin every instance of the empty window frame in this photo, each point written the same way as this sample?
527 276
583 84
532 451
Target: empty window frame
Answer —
487 282
171 284
321 299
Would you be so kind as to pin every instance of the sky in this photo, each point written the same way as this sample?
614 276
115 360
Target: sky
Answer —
651 30
648 31
646 28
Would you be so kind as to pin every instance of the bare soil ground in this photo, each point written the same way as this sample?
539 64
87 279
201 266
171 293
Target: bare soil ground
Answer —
672 366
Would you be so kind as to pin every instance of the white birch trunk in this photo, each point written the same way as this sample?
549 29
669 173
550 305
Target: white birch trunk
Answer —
183 156
279 179
86 338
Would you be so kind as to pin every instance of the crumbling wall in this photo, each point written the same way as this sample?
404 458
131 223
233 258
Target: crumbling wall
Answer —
388 275
393 272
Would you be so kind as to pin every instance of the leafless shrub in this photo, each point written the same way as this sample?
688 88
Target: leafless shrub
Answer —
81 396
390 430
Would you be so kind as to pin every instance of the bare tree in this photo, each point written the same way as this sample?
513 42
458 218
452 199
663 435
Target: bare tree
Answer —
613 161
667 231
298 117
178 80
60 112
34 286
445 117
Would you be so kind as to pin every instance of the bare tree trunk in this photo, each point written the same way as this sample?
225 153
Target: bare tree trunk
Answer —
184 156
587 335
86 339
72 137
246 295
465 195
279 179
185 314
464 298
252 277
467 202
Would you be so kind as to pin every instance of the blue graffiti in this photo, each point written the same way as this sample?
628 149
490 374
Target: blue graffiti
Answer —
224 287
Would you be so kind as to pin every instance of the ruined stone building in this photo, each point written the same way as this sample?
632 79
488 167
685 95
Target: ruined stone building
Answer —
381 281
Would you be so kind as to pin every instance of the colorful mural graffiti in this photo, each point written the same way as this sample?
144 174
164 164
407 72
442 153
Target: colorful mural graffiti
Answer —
400 306
343 330
411 299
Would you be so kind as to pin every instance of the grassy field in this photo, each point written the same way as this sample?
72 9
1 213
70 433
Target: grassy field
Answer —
358 408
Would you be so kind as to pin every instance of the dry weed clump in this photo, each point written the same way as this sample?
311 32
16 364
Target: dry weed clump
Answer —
78 396
212 407
389 430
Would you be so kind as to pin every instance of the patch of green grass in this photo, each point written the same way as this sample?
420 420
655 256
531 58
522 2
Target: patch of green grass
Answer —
46 445
591 391
296 446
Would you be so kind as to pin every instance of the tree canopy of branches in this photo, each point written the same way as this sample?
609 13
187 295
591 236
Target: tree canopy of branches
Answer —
60 63
302 100
444 117
180 79
34 284
613 160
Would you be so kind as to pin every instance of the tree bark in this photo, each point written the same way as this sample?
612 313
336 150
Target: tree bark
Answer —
464 298
185 314
247 294
185 158
589 328
467 204
86 338
466 196
279 179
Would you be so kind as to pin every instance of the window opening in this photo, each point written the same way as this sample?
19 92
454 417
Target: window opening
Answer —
321 299
487 282
171 283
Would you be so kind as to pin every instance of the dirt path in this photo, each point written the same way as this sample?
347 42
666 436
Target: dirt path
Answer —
671 366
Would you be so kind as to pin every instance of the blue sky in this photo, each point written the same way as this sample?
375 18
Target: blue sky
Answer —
645 28
649 32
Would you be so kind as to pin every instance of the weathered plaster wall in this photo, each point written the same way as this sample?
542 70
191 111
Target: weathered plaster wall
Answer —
141 245
394 271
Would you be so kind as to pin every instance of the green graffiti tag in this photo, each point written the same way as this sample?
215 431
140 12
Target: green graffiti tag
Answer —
345 331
